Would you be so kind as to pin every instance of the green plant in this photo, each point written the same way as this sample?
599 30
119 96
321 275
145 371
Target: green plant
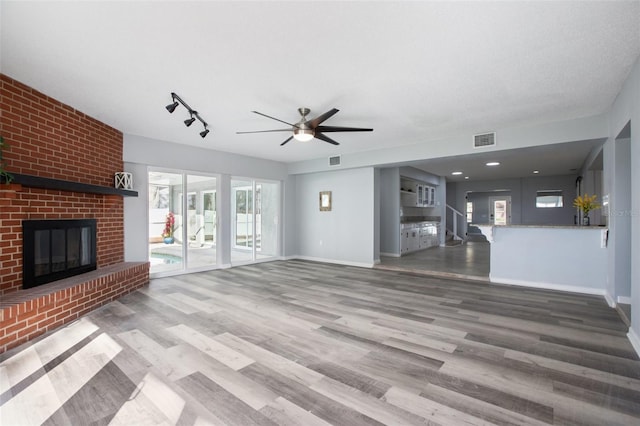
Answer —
8 177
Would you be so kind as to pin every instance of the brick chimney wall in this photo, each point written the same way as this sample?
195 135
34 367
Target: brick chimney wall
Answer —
49 139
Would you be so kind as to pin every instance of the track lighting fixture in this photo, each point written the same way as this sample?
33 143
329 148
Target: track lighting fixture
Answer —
188 122
172 107
193 114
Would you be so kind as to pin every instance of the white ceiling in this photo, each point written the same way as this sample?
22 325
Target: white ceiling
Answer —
414 71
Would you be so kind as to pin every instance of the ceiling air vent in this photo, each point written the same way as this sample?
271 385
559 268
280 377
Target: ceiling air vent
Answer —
334 161
485 139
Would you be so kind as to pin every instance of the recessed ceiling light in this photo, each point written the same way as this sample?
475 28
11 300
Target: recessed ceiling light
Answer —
535 172
456 173
466 177
493 163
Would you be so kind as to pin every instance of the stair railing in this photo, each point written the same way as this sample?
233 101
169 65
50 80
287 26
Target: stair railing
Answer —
457 221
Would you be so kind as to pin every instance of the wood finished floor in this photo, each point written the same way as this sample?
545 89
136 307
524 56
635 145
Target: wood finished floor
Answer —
303 343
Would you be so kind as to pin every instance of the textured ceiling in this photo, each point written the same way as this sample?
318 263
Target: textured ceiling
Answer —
414 71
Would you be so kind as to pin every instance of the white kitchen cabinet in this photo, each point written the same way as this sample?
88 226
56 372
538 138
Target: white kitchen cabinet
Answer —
418 236
409 238
416 194
430 196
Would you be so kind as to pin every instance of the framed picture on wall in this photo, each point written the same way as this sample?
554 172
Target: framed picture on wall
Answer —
325 201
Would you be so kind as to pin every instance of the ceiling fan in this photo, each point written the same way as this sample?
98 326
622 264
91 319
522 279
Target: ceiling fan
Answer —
305 130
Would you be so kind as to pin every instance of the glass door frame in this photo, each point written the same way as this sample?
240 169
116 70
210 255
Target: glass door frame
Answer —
254 183
493 201
184 237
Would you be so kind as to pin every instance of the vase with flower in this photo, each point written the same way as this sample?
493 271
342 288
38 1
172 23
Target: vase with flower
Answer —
167 233
586 203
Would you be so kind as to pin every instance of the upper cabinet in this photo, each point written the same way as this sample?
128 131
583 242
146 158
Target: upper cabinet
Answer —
416 194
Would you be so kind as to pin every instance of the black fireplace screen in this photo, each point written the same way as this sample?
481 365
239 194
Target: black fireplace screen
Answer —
57 249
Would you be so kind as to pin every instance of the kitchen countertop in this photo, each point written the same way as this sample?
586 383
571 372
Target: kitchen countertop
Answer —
540 226
417 219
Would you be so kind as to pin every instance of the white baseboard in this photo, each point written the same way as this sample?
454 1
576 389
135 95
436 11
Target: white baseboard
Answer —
634 339
609 299
559 287
337 262
390 254
624 299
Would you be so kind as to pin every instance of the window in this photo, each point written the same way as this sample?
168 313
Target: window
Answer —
469 211
549 199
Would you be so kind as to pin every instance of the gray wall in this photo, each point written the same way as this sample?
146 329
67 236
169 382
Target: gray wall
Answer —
346 233
523 199
625 109
390 211
531 215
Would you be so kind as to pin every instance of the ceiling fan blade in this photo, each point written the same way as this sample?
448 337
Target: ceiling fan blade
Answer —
264 131
321 118
322 137
290 137
273 118
341 129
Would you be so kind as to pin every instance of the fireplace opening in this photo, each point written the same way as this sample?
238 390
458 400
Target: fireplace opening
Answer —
57 249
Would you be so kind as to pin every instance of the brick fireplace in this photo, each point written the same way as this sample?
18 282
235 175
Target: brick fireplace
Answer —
64 162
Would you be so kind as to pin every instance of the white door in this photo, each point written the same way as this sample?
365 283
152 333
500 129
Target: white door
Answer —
500 210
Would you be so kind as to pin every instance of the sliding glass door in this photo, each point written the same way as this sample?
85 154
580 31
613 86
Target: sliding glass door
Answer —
165 222
182 229
255 209
201 221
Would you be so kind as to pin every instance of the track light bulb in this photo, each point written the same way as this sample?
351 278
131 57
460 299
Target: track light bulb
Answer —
172 107
204 132
188 122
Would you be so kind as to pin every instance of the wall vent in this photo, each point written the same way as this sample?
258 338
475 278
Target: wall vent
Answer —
334 161
483 140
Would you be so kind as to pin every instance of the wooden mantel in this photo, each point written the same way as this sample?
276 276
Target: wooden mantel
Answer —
64 185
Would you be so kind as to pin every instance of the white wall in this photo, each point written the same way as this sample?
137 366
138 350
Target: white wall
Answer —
513 137
289 217
136 216
625 109
569 258
138 149
346 233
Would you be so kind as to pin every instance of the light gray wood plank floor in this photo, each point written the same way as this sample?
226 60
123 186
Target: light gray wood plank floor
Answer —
305 343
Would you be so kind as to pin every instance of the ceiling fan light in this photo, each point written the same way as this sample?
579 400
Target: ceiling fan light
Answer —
303 135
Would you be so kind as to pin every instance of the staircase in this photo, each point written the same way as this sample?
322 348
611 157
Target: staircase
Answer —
475 235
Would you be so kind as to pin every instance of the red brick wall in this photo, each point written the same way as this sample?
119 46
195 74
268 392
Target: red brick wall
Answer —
49 139
18 203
